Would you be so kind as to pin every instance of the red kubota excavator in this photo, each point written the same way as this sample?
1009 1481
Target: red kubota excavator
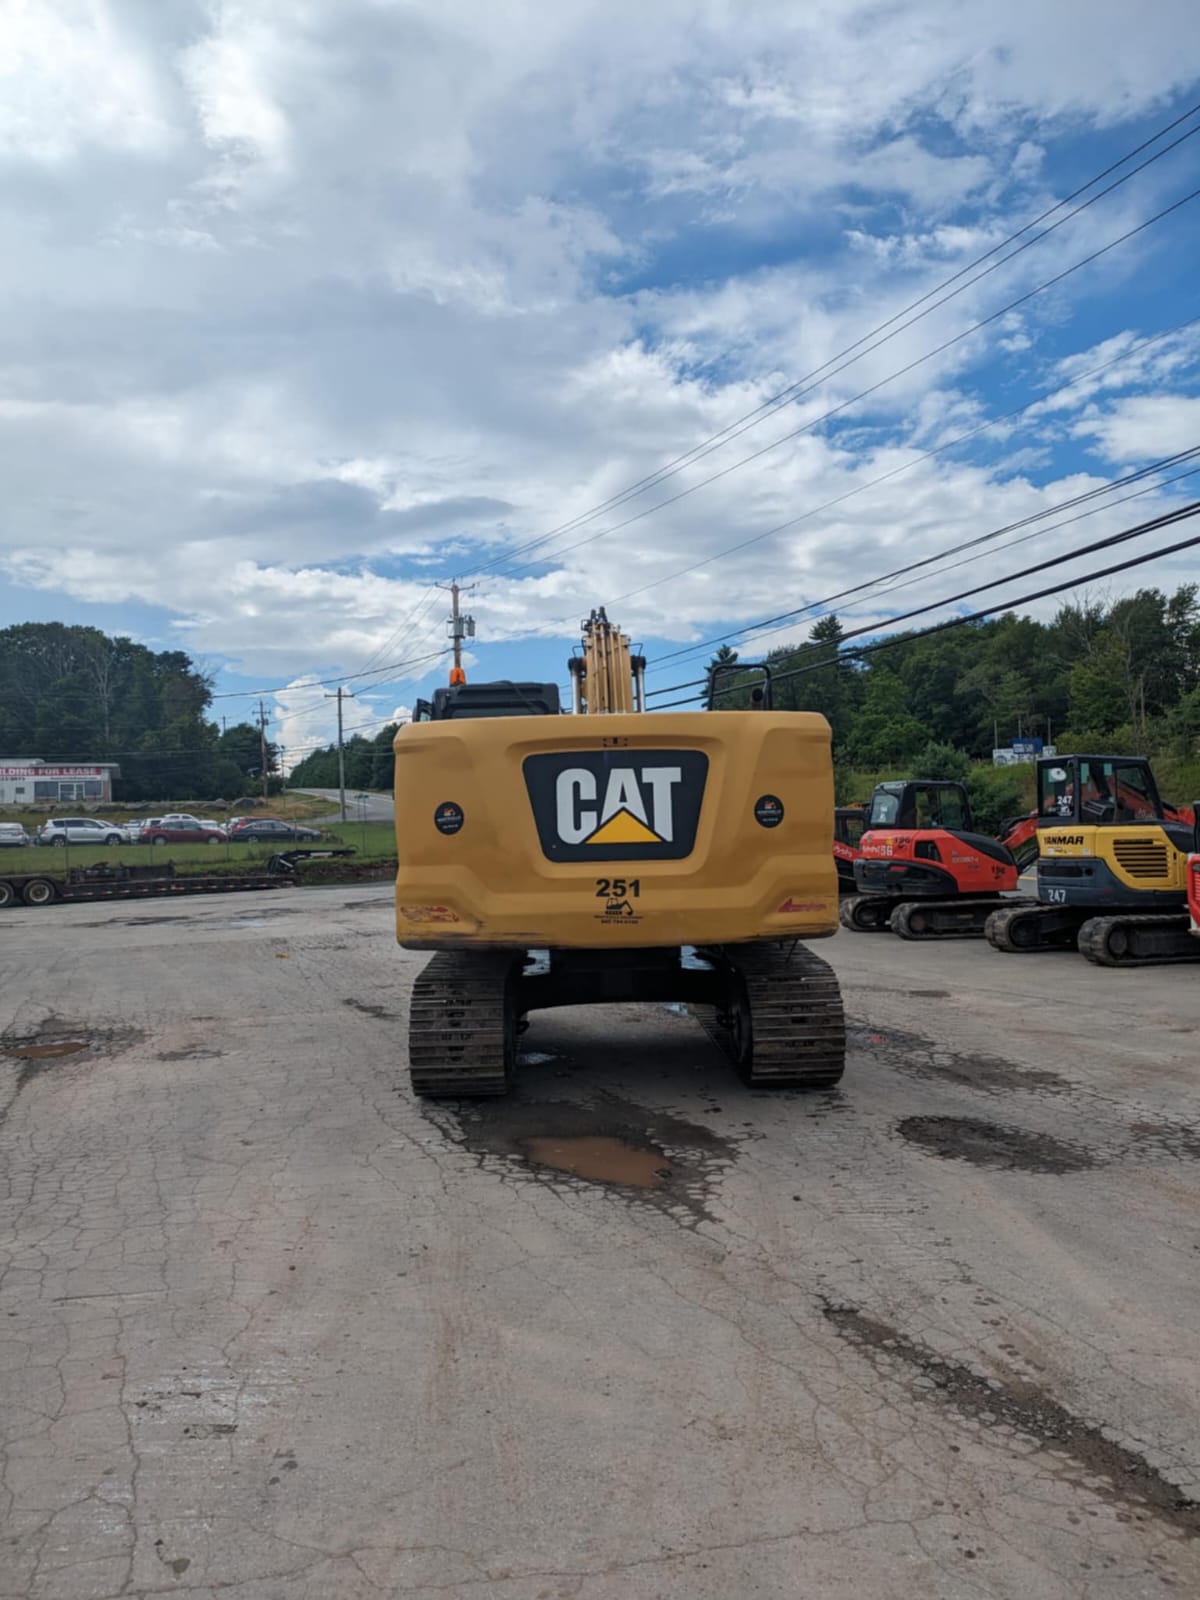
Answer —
849 825
924 871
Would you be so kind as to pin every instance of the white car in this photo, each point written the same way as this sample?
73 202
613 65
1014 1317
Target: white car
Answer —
79 830
14 834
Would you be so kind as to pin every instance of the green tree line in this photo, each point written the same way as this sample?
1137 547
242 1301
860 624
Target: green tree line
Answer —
73 695
1122 677
369 764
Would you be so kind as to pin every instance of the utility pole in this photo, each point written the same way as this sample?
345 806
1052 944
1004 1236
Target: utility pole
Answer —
262 746
459 628
341 693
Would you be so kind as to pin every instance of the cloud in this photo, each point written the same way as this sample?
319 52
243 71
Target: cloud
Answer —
308 302
1145 426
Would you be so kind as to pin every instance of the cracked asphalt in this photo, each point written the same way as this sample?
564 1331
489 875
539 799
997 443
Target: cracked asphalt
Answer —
271 1330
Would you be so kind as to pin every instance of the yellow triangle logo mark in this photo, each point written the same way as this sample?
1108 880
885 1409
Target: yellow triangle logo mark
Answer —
623 828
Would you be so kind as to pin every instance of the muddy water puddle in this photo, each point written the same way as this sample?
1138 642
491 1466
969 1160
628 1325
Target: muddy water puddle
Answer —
601 1159
32 1050
651 1157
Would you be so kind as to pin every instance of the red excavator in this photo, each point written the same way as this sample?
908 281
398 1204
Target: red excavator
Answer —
849 825
924 871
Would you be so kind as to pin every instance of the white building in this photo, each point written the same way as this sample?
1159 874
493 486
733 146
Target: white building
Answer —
28 782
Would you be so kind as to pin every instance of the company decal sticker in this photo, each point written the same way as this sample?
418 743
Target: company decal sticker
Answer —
616 804
768 811
448 818
792 907
619 896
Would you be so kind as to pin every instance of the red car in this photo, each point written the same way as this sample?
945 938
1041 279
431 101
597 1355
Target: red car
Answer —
182 833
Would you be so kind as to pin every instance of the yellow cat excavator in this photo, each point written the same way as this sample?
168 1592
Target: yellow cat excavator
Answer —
552 859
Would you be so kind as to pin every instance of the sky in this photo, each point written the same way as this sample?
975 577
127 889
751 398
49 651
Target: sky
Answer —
307 306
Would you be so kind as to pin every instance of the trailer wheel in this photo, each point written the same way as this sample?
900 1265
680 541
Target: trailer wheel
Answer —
7 893
39 892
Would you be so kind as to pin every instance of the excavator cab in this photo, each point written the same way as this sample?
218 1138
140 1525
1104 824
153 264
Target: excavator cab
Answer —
921 803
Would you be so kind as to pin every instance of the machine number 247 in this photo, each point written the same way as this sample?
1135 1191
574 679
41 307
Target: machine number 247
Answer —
618 888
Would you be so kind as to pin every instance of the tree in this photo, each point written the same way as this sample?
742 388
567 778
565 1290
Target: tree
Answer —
242 744
884 731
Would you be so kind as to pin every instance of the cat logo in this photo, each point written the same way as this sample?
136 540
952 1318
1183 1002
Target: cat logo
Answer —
617 805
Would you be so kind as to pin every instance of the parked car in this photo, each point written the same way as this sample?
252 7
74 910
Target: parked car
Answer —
270 828
172 831
133 831
79 830
14 834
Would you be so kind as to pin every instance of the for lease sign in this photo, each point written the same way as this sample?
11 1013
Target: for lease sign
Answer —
50 772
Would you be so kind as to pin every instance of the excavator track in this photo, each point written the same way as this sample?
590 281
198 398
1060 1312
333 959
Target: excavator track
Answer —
462 1025
964 918
1020 928
783 1026
1138 941
866 913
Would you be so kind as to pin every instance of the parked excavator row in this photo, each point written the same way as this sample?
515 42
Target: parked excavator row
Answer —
1113 875
554 860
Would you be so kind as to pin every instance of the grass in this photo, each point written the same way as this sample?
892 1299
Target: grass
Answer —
371 841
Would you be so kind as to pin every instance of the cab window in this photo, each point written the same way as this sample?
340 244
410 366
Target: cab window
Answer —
885 808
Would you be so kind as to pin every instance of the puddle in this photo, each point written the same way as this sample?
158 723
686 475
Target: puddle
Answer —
58 1039
992 1144
536 1058
32 1051
601 1159
650 1157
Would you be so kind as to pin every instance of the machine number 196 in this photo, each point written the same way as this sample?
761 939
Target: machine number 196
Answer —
618 888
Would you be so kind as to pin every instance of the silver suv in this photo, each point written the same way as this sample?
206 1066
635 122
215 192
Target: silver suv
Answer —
79 830
13 833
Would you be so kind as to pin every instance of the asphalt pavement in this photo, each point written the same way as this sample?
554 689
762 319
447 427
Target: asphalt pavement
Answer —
375 807
272 1330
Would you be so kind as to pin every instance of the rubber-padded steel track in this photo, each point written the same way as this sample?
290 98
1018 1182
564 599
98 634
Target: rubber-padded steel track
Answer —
866 913
1022 928
462 1025
964 918
1138 941
784 1027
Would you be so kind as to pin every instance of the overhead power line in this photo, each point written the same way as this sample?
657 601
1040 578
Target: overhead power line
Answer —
844 405
852 353
1183 514
1084 498
319 683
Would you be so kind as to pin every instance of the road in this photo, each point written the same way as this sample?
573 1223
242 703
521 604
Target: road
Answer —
271 1330
377 807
